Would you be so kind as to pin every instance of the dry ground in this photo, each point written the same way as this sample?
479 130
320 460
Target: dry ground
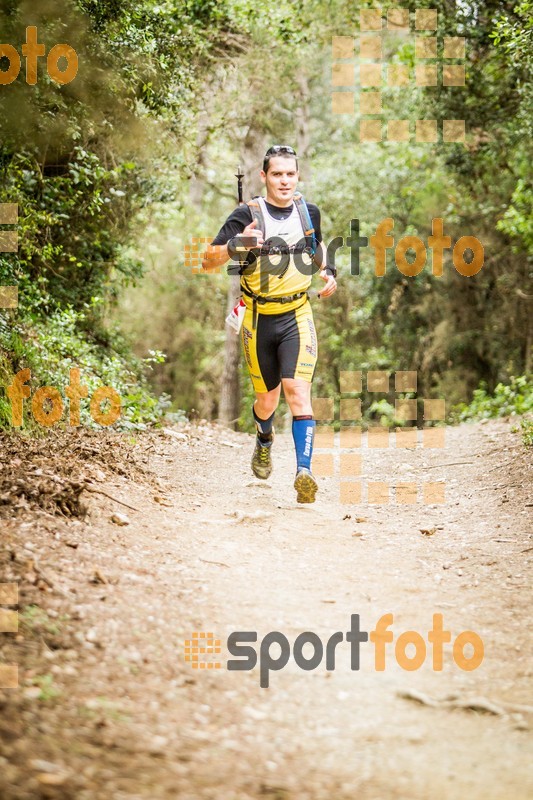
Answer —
108 708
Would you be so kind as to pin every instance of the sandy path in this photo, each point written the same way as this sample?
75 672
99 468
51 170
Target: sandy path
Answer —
134 720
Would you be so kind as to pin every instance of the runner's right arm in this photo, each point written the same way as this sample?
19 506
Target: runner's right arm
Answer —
240 221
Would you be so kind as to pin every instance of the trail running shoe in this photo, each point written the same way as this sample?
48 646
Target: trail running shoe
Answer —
306 486
261 460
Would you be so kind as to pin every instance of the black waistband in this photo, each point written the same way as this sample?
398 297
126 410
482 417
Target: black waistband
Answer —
262 300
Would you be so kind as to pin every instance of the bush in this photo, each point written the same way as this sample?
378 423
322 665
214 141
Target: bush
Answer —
515 398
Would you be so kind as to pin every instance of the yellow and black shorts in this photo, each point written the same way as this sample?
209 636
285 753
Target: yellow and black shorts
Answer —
281 346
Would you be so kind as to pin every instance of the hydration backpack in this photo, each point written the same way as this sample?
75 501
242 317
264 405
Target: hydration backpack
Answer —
305 218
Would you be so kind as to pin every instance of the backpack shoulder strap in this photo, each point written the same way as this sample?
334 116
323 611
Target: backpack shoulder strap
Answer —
257 214
307 225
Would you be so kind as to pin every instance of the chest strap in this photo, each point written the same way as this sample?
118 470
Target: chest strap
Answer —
290 298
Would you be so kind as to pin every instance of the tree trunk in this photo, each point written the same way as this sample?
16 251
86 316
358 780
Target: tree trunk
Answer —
230 389
229 405
303 127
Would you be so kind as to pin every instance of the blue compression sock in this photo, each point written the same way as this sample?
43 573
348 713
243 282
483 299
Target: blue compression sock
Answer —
303 432
264 426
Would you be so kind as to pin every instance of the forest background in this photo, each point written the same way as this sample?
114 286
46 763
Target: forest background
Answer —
116 172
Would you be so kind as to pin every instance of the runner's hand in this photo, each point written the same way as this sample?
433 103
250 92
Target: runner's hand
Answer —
250 233
331 284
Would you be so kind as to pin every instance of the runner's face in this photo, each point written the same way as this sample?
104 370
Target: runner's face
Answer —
280 180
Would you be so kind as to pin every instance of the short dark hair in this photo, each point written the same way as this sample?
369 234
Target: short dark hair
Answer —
283 150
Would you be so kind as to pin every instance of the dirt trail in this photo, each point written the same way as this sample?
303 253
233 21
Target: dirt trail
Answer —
211 549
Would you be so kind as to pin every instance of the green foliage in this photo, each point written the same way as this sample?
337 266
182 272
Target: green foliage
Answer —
116 172
46 684
527 432
507 400
51 347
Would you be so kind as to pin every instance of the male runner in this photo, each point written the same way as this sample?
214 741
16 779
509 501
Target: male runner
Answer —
278 332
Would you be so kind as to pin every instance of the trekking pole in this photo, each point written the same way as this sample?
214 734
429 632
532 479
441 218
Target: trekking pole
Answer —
239 176
236 314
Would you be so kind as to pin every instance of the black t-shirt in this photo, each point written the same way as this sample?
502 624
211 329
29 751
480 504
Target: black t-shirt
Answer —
242 216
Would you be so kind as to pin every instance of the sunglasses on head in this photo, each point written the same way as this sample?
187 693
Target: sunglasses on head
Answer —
280 148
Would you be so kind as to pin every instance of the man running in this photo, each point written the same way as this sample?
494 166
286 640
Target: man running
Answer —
281 240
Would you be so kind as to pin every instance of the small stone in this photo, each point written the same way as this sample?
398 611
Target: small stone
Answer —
120 519
32 693
44 766
92 636
158 744
48 779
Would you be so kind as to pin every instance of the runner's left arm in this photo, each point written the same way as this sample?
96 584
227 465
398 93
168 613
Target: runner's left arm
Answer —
327 273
